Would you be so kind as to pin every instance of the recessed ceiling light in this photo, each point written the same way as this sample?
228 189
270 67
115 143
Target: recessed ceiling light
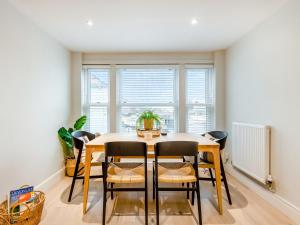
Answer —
194 21
90 23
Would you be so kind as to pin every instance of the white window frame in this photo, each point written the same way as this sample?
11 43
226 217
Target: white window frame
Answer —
86 105
176 94
212 105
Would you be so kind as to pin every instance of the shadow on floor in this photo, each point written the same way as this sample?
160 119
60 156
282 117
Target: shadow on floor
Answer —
174 204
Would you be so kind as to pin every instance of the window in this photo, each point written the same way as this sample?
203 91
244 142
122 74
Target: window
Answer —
147 88
199 100
114 97
96 99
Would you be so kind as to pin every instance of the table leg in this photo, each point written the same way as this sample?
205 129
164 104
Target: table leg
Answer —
216 155
88 159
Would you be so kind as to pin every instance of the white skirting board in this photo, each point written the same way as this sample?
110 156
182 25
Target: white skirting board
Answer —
48 183
275 200
51 181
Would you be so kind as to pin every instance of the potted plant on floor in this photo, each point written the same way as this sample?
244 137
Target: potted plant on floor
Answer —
66 141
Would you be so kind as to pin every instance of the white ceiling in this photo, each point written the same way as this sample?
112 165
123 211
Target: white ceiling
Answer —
147 25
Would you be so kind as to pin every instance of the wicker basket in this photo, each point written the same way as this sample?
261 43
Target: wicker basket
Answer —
30 216
154 132
70 167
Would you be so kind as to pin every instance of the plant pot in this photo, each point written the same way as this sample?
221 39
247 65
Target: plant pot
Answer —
148 124
70 167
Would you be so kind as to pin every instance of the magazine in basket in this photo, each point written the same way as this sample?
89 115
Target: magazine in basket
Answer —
17 199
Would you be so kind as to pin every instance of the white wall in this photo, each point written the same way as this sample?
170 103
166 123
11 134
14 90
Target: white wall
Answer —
76 67
262 85
219 61
34 101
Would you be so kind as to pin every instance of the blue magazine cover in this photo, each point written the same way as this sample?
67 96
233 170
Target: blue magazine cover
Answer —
19 196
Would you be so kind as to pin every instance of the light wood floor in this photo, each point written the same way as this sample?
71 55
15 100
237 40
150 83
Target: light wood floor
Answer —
127 208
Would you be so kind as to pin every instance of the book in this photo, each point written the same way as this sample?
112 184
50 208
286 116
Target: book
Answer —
17 199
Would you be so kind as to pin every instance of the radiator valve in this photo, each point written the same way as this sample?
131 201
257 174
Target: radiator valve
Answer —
269 179
270 183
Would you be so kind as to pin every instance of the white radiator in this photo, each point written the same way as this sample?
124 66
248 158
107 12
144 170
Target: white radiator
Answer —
251 150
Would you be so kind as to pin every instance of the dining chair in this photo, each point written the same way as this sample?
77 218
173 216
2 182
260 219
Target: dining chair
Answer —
124 172
79 140
176 172
206 160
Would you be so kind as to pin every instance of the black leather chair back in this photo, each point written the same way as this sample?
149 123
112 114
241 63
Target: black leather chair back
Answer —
176 148
221 135
78 143
125 148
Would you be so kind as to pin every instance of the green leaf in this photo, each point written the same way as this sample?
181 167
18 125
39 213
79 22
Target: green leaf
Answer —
70 130
66 136
80 123
67 150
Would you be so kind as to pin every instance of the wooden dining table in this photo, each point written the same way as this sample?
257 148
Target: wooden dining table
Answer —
205 145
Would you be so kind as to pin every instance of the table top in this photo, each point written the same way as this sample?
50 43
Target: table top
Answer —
99 141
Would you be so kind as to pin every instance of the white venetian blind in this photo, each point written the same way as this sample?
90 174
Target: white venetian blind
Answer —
199 100
147 86
97 99
146 89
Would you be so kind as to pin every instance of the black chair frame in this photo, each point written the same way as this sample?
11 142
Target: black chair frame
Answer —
79 144
222 137
125 149
180 149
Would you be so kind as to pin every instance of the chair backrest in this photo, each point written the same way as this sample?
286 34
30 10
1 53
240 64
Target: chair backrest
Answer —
176 148
78 143
125 148
221 136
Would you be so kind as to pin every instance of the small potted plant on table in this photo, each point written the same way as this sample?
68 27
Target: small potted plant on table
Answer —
148 121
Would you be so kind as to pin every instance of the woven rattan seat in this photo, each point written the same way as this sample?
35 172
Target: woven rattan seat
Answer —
176 172
126 173
203 164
